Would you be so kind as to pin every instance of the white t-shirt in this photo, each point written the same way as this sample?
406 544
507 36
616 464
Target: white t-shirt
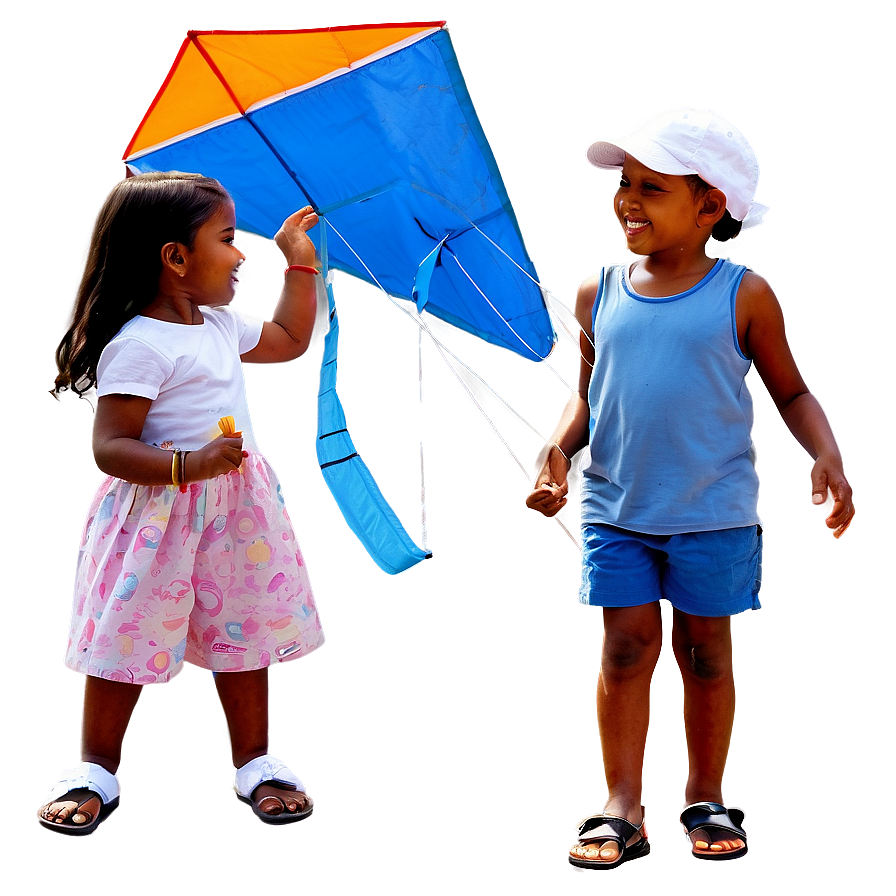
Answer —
192 374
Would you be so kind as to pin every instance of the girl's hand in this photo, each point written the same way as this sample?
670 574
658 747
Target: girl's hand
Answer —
223 455
292 237
827 475
548 496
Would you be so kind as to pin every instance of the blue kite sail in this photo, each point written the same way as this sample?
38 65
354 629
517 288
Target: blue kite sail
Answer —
372 126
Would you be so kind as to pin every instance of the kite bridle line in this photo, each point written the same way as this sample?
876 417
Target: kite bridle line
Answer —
553 301
444 353
488 302
424 327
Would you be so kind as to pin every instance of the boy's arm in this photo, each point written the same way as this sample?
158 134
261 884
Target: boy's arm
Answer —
548 495
760 326
288 334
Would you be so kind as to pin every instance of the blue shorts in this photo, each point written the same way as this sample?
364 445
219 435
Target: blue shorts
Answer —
701 573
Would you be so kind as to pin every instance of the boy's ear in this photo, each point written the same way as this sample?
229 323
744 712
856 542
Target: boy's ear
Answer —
712 208
173 258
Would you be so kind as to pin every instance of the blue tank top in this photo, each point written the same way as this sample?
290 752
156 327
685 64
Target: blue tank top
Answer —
670 449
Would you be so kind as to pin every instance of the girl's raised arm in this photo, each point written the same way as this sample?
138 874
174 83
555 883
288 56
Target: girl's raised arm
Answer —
288 334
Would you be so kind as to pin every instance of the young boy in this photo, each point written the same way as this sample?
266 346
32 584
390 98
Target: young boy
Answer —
669 489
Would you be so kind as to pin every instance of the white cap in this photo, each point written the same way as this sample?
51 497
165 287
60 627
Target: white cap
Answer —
693 141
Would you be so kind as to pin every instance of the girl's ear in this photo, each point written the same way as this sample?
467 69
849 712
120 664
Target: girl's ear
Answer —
712 208
173 258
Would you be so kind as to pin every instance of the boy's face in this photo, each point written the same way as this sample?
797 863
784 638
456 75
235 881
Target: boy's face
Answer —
658 212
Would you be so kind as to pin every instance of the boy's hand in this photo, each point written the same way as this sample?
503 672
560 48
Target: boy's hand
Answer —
292 238
828 476
548 496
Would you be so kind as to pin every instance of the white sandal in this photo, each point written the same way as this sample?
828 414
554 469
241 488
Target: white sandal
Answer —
263 770
80 784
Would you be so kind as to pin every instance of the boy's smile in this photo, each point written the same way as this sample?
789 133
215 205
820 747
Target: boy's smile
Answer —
657 211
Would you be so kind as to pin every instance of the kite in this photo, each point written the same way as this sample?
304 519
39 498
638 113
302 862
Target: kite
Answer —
372 126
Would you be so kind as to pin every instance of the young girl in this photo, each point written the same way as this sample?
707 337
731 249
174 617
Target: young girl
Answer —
669 488
188 552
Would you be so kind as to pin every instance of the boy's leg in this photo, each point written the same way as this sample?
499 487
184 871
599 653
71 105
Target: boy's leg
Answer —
702 646
244 698
108 706
632 641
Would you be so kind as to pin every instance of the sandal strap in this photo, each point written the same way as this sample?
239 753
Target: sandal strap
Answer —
262 769
713 815
608 827
90 776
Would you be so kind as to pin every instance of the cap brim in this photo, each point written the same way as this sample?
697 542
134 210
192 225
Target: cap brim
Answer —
647 152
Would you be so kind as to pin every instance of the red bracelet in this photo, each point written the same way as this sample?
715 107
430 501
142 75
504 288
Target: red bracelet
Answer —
302 267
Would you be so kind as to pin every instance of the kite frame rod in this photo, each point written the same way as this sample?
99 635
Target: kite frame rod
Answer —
325 30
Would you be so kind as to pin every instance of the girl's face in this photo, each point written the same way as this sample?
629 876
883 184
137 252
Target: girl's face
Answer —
212 263
657 212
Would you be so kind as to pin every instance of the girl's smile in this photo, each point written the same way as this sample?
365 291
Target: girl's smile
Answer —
212 265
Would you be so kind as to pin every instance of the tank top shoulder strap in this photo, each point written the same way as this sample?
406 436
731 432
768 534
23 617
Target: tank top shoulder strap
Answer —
729 274
606 276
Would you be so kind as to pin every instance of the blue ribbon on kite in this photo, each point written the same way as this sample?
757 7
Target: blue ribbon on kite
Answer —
420 292
366 511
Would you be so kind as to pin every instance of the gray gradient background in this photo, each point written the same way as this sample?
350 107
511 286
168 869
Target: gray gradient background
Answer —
447 729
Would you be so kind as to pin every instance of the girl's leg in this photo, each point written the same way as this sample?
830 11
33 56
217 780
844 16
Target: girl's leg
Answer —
632 641
244 698
107 711
702 646
108 706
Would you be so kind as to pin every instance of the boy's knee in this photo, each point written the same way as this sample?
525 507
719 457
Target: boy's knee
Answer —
708 665
706 660
702 646
626 653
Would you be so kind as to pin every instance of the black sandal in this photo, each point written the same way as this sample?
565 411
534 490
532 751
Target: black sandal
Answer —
610 829
711 817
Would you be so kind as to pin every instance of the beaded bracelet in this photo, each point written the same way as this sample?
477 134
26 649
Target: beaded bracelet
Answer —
307 268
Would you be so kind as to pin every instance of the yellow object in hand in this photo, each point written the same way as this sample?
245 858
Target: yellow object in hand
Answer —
227 425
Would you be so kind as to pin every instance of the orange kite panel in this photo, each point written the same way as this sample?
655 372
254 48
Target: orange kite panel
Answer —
226 72
169 115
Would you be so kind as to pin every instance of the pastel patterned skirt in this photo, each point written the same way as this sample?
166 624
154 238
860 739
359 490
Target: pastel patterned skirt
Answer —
212 575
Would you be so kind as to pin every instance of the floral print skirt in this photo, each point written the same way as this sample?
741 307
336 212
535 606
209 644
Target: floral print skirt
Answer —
212 575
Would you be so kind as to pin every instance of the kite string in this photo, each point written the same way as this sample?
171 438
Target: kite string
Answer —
424 535
444 352
481 409
421 323
544 358
552 301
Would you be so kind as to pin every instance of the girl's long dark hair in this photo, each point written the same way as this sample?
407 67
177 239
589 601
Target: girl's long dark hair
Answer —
121 277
